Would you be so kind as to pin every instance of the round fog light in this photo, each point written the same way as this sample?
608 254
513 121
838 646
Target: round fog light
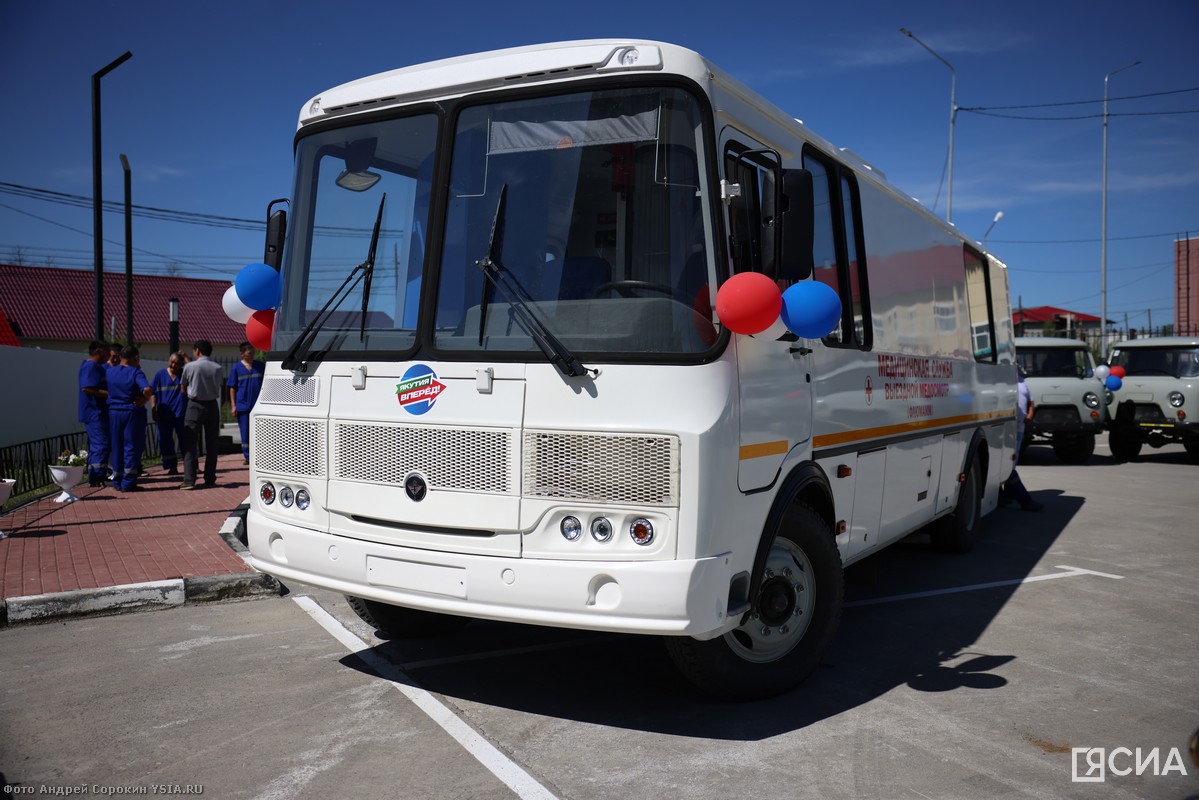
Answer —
601 529
286 496
642 531
303 499
266 493
571 528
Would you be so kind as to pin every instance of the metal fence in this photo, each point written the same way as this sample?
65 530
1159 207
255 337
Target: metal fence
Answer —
29 462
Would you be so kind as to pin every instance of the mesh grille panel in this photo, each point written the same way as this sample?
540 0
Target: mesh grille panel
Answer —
292 446
638 470
450 458
290 391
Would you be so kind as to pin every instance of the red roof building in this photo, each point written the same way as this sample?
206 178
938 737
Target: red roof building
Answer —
55 309
1033 321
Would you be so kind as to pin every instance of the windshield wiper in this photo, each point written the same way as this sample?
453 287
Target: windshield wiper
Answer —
368 270
556 352
292 359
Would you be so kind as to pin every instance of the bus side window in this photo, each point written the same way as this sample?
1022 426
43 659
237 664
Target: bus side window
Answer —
826 268
978 296
837 250
746 226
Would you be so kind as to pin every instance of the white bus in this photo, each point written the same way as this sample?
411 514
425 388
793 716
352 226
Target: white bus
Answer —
499 387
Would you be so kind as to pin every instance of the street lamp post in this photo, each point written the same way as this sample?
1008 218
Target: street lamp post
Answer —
953 112
1103 223
173 316
97 192
998 216
128 250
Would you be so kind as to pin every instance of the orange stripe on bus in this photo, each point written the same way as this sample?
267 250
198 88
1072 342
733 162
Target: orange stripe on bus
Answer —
847 437
764 449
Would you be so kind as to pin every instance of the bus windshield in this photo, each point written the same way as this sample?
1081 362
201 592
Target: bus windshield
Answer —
605 233
605 236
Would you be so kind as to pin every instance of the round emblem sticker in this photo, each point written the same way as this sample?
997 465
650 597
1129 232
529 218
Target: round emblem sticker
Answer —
419 389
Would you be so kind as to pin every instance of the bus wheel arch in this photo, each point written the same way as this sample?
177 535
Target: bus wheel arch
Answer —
796 595
957 532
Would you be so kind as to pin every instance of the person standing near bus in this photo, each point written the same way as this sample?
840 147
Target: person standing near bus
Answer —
168 405
244 384
201 383
128 393
93 411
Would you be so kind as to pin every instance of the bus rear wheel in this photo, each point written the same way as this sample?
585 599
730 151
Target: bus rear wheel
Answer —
958 532
790 625
403 623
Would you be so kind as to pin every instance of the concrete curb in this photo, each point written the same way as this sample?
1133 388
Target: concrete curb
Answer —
150 596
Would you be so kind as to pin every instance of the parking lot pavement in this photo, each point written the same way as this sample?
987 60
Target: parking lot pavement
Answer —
1064 644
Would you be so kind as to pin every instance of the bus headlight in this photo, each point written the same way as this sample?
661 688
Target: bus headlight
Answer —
601 529
286 496
1091 399
1176 399
571 529
303 499
266 493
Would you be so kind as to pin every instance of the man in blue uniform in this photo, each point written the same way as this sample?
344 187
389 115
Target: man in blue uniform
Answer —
244 384
168 404
128 393
93 411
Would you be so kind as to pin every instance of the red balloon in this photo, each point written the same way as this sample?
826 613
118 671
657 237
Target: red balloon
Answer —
260 328
1119 372
748 303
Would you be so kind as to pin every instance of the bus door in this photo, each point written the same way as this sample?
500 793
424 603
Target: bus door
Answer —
774 378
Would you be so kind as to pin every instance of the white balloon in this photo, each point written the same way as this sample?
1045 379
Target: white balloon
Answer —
776 331
235 309
1102 371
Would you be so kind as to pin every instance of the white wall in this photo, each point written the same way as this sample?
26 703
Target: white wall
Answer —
39 393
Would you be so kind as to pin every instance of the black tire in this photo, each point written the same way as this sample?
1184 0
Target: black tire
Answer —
1074 449
790 625
958 532
1192 446
1125 445
403 623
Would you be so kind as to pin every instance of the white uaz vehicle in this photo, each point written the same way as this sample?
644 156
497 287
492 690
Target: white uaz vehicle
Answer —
1158 402
1071 402
523 404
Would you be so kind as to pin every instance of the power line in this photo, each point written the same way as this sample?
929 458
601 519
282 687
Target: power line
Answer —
1079 102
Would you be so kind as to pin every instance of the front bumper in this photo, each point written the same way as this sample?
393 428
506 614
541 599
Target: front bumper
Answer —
680 597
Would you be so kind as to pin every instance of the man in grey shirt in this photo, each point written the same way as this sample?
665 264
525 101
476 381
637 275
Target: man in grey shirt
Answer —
201 382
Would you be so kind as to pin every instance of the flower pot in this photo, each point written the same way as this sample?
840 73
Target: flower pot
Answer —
6 485
66 478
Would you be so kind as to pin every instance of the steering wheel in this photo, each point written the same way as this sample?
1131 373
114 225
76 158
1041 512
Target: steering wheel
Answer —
626 288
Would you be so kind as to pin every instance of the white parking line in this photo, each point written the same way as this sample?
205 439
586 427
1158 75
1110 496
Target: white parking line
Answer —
1071 572
516 779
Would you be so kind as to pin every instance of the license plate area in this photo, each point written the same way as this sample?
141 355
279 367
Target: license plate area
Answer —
416 576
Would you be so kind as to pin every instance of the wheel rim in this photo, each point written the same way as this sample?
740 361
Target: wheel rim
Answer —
783 611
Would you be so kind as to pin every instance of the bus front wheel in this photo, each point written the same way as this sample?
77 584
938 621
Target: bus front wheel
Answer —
791 623
958 532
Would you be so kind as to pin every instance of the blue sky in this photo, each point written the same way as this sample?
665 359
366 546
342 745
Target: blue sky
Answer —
206 110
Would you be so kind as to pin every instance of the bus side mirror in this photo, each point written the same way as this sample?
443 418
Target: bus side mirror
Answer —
276 232
798 228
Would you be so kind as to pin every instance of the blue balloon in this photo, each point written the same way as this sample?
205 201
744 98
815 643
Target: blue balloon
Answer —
258 286
1113 382
811 309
